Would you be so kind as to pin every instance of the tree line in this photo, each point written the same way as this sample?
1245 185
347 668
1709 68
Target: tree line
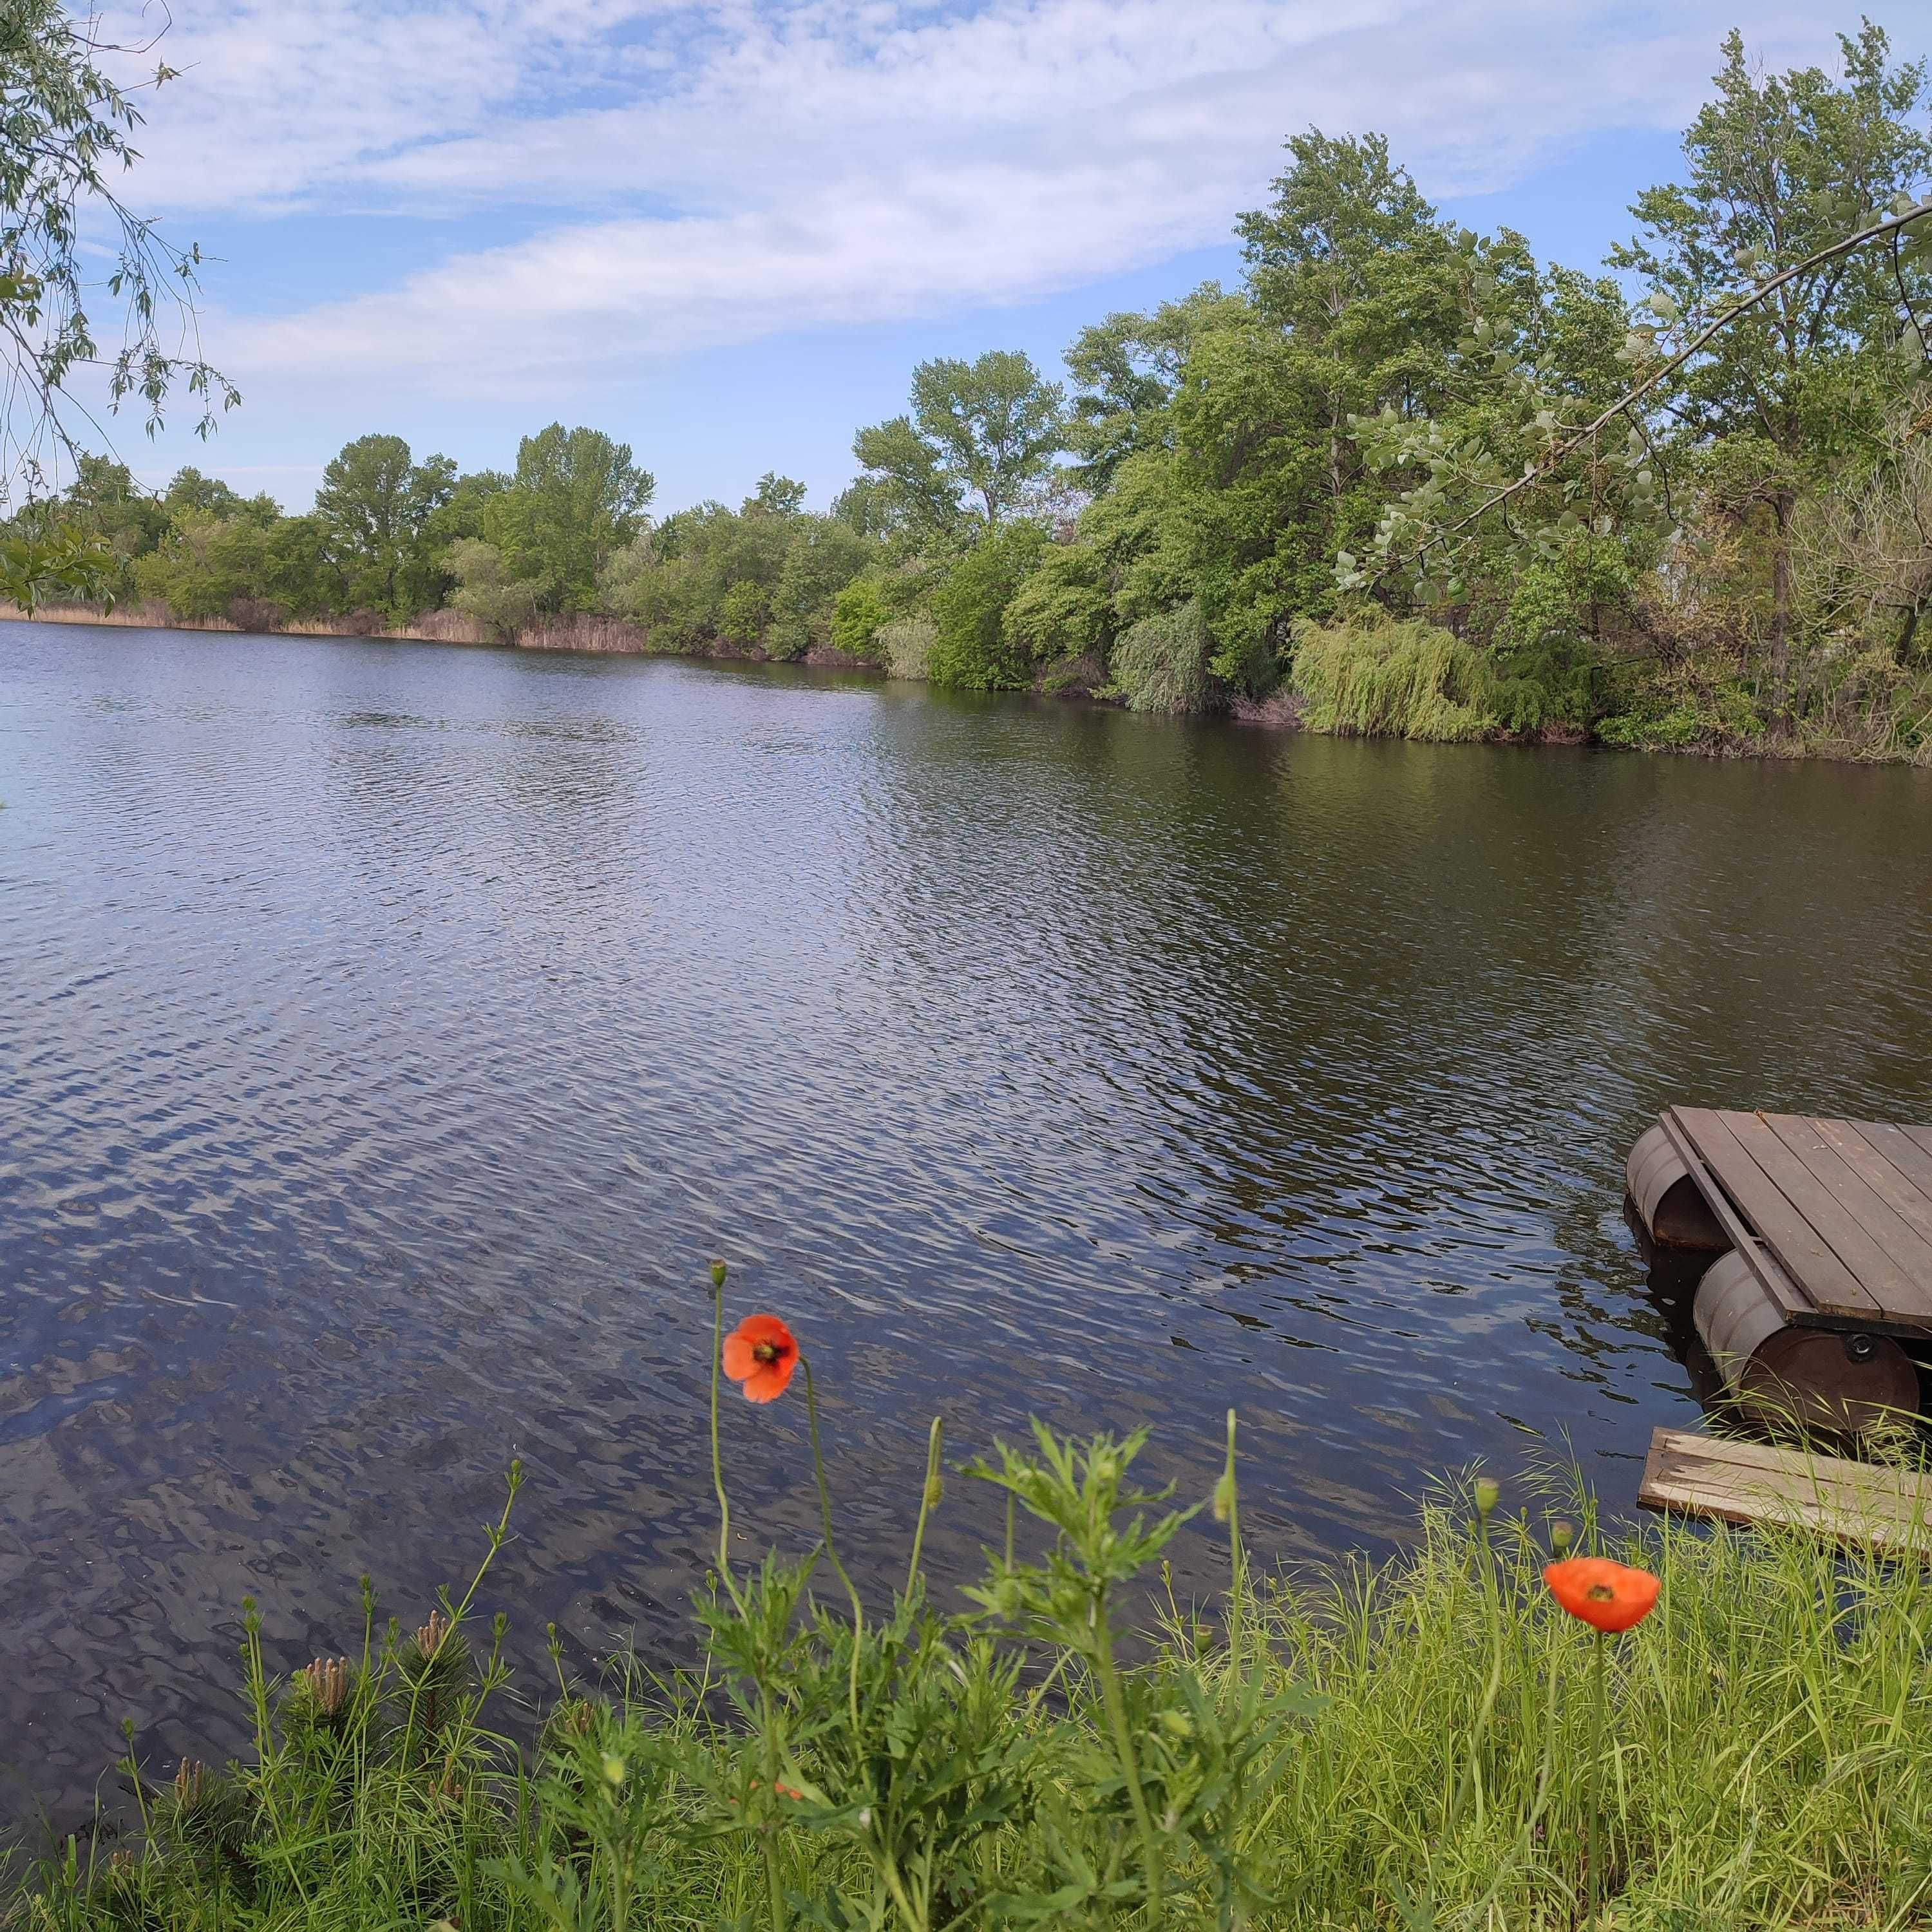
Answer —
1273 494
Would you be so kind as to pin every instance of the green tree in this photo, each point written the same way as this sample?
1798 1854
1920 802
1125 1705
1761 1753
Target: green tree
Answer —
1780 166
68 130
777 496
980 437
189 490
1125 371
576 497
254 566
823 556
375 504
104 502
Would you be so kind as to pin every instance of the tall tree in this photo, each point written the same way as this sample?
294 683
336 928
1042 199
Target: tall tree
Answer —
374 506
980 436
576 497
1126 370
1780 166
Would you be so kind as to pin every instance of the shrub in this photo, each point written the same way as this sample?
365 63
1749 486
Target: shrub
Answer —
256 613
858 614
1367 677
747 605
1062 610
1161 663
905 648
502 605
970 646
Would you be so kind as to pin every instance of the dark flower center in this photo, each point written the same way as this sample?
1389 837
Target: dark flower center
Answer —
764 1351
1601 1593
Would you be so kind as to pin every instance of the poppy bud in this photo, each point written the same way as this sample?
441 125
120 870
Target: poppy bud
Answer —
1562 1535
614 1769
719 1272
1489 1492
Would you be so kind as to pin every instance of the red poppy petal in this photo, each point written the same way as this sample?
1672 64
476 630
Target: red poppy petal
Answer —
739 1361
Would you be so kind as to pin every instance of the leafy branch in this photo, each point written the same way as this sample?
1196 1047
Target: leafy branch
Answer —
1893 228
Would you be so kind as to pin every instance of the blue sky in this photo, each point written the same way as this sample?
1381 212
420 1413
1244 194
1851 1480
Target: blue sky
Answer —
726 232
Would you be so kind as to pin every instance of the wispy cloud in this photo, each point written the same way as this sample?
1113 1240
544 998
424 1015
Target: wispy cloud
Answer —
709 174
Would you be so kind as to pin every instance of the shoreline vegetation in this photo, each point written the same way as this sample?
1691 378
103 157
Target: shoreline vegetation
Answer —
1532 1718
1404 479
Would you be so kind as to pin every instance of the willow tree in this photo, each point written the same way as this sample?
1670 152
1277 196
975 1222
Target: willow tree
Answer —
66 137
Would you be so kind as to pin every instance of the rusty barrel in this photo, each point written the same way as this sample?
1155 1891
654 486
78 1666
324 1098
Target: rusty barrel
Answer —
1819 1378
1673 1208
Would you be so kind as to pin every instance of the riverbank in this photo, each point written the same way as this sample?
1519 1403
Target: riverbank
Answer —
1402 681
1419 1745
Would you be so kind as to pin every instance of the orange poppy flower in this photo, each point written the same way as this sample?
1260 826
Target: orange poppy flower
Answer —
1607 1596
762 1353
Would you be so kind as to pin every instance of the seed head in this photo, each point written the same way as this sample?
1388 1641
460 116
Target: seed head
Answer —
1489 1493
1224 1496
1562 1535
430 1638
191 1785
719 1272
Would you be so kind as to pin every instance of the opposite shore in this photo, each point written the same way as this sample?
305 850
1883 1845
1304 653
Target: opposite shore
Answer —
1360 712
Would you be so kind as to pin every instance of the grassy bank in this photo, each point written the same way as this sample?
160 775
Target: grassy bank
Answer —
1418 1745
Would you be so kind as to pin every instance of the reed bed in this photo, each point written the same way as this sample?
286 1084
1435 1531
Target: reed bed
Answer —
1413 1745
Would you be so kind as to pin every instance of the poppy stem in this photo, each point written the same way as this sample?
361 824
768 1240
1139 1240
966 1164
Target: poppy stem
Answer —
831 1547
1233 1495
927 1496
1593 1870
718 1274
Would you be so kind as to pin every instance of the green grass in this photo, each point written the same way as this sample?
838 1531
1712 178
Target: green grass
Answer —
1366 1747
1412 1746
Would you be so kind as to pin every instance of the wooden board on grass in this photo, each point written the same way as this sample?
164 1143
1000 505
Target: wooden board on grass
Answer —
1865 1503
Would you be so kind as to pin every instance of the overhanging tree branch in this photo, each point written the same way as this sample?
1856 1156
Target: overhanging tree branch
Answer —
1890 228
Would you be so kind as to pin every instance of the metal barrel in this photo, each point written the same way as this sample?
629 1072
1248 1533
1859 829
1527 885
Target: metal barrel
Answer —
1673 1210
1818 1378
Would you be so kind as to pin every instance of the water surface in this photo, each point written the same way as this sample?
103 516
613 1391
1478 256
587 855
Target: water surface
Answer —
389 1033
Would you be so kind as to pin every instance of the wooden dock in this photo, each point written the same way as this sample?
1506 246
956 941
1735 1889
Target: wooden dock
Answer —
1833 1217
1863 1503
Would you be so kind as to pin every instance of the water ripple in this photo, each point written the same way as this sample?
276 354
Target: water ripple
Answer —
387 1033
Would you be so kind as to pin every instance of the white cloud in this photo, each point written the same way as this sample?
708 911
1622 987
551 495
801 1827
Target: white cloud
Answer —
709 174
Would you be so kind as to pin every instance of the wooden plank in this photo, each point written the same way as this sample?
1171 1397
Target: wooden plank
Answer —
1881 1281
1797 1306
1783 1485
1830 1475
1900 1149
1799 1246
1892 1259
1852 1502
1906 1197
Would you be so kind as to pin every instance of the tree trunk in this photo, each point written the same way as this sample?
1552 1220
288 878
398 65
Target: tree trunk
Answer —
1784 502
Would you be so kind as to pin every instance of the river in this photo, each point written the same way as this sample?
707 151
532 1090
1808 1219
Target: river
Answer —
389 1034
